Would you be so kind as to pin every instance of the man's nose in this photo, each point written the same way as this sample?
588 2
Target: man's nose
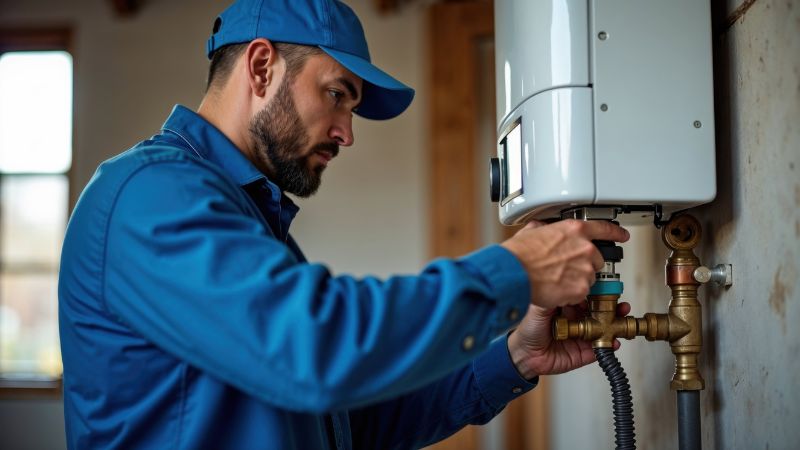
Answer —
342 132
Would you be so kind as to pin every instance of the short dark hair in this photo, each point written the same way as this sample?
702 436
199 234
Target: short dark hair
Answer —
224 58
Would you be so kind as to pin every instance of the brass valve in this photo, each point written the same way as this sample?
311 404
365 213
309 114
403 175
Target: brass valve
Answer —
681 326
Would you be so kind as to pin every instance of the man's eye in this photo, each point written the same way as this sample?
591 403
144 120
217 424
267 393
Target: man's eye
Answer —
336 95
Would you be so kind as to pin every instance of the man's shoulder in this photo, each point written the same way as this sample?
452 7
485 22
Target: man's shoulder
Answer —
153 157
150 172
148 153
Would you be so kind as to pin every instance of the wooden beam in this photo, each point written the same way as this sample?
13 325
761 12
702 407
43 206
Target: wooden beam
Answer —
454 30
385 6
35 39
31 389
391 6
125 8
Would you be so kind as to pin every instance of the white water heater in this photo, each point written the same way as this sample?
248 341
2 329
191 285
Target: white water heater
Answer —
603 103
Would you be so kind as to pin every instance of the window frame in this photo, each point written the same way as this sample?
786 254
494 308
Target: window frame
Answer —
55 38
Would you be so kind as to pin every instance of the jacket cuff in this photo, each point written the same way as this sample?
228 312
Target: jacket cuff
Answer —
497 378
508 281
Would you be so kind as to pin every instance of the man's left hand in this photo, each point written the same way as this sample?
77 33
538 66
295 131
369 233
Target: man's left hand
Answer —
534 351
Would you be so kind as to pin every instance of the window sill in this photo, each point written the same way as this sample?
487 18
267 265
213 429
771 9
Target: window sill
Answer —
26 389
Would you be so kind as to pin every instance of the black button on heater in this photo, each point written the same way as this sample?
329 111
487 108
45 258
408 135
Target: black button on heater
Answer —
494 179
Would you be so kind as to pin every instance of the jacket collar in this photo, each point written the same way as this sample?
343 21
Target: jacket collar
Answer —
208 142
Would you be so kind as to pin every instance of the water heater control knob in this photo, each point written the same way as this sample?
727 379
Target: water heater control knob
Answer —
611 252
494 179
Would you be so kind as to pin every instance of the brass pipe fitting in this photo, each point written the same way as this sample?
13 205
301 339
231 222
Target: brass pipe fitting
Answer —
681 235
662 327
681 326
603 325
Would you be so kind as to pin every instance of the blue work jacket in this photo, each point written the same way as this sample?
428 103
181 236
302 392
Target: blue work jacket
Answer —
189 318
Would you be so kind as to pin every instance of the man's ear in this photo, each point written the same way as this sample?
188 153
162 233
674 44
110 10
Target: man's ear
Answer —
260 59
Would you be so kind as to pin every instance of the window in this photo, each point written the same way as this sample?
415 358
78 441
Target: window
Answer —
35 158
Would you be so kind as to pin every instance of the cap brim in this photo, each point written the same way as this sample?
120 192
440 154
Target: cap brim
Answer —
382 96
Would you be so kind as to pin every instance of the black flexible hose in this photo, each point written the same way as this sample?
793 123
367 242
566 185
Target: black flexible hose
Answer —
621 397
689 420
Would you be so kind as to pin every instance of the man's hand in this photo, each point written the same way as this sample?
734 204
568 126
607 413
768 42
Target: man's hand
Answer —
534 351
561 259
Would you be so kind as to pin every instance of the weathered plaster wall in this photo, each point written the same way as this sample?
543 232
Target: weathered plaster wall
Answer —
751 341
751 359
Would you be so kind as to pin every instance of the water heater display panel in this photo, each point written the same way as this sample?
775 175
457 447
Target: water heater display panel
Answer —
512 163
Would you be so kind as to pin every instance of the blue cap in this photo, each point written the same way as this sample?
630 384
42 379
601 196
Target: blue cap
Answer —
328 24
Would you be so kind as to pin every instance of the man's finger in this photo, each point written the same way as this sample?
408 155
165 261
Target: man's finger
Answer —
623 309
605 231
574 312
534 224
597 260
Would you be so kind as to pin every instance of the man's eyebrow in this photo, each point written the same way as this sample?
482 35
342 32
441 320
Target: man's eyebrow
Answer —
351 88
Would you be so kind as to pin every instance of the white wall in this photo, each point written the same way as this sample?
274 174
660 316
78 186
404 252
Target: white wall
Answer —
369 214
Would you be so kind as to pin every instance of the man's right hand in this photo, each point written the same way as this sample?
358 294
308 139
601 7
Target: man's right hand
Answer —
561 259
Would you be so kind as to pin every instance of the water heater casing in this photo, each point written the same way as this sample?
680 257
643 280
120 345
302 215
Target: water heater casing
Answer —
603 102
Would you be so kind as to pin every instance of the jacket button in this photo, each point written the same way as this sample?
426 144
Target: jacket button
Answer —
468 343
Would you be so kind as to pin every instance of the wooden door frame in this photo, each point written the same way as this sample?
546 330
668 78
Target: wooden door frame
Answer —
29 39
455 28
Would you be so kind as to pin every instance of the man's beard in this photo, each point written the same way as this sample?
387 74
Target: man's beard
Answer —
279 138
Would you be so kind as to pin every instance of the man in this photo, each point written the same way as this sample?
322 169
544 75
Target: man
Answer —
190 319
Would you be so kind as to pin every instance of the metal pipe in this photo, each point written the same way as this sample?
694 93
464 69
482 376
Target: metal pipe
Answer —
689 420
